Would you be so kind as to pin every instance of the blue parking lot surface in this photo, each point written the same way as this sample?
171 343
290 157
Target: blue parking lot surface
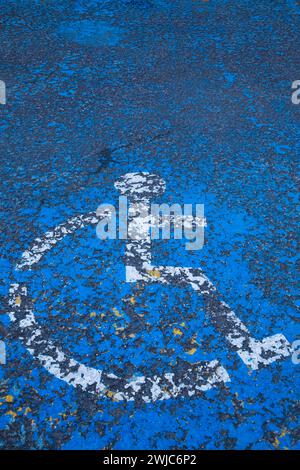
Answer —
199 93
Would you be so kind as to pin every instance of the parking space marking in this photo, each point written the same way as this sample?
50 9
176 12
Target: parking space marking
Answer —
196 379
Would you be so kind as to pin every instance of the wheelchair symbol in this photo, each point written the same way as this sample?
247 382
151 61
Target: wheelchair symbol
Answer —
197 378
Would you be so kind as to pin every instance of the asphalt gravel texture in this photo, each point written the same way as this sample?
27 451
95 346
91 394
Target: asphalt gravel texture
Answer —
199 93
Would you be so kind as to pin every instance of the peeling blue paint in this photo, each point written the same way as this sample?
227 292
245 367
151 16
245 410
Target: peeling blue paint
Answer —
198 92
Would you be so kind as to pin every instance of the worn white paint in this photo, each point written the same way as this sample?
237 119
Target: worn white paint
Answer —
201 378
78 375
253 352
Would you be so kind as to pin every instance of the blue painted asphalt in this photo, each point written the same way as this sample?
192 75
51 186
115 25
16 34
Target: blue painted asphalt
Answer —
200 93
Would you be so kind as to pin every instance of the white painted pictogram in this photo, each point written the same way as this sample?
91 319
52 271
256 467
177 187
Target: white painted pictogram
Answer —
196 379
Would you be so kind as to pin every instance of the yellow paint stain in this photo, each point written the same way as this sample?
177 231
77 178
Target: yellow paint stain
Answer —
132 300
11 413
111 394
9 398
18 301
154 273
116 312
177 332
284 432
182 324
276 442
192 351
27 410
102 315
93 314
